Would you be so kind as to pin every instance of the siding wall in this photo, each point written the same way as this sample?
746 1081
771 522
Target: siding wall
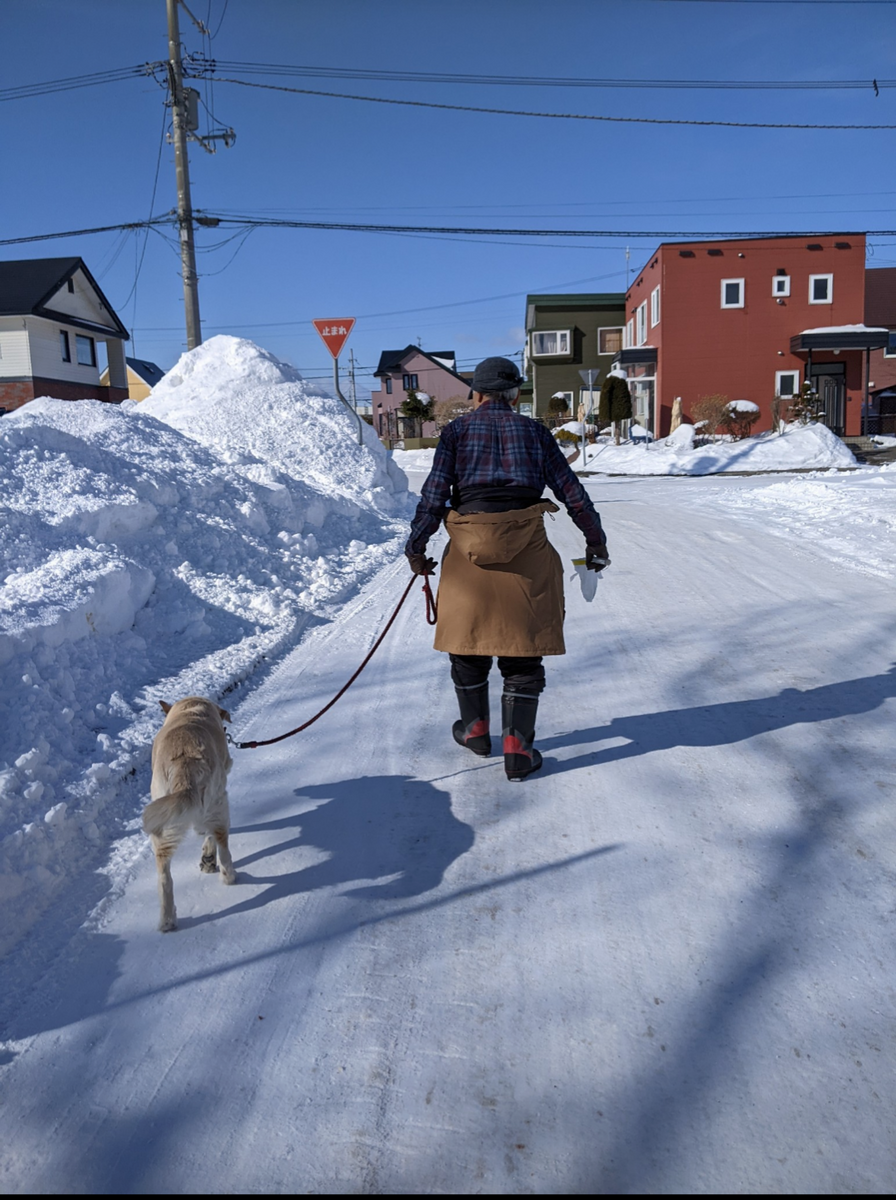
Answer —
83 302
46 353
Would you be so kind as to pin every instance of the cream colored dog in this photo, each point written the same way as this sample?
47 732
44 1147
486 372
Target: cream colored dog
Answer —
190 762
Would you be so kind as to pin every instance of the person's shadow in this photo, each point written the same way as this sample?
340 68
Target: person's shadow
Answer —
393 835
725 723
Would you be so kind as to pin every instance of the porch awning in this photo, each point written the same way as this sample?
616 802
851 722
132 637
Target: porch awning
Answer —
635 356
840 337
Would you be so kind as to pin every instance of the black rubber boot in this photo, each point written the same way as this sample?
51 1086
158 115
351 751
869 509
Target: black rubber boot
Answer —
471 730
518 720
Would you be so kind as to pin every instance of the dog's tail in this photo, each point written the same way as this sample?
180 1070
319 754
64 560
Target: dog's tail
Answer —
166 811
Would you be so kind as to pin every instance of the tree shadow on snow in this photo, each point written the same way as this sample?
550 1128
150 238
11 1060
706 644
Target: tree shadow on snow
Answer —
393 829
725 723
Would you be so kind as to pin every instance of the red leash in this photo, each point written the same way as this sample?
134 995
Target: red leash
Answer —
431 616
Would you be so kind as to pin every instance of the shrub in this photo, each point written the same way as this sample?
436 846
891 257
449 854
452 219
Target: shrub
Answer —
558 405
806 406
567 435
710 412
445 411
740 417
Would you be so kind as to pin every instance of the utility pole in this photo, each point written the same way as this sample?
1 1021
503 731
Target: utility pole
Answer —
184 204
351 379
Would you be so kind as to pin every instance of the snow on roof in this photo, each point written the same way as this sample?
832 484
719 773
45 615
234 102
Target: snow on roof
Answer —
846 329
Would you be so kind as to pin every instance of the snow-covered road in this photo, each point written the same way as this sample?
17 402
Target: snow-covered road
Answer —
663 965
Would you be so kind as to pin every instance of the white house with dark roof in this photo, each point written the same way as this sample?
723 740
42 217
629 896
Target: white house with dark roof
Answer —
52 315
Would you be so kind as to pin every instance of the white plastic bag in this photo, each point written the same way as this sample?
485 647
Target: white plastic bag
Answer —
587 579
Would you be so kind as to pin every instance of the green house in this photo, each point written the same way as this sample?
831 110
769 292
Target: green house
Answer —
568 334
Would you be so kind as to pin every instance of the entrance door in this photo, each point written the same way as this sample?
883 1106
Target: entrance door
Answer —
829 381
832 393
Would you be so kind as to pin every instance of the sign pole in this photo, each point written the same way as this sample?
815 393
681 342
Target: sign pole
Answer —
334 334
344 401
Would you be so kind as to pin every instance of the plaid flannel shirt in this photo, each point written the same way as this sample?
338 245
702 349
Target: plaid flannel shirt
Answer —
494 446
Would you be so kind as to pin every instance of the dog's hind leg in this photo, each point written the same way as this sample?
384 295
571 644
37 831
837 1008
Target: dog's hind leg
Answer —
228 874
208 863
164 849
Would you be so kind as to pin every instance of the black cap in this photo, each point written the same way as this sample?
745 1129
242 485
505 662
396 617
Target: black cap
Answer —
496 375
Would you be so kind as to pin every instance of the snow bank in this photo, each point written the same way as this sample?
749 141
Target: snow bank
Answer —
152 551
800 447
848 519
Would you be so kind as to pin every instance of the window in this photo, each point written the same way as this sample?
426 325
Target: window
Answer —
409 383
64 346
71 285
641 322
780 285
609 340
732 293
85 348
554 341
821 289
890 348
654 307
630 332
787 383
388 386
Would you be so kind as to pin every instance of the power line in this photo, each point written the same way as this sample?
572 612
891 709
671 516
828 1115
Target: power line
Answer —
213 220
238 67
25 90
511 112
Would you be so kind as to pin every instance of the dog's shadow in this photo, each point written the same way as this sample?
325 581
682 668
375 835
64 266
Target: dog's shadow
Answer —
392 828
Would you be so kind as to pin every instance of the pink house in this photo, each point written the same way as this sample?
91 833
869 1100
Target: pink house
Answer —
413 369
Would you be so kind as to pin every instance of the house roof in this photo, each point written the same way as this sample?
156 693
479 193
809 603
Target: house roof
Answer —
391 360
571 302
148 371
27 286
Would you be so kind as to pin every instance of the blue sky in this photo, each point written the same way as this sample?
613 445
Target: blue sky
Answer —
88 157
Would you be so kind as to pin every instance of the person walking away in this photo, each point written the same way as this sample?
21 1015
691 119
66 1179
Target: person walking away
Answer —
501 588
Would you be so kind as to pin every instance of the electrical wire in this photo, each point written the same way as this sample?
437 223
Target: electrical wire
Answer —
156 224
511 112
238 67
26 90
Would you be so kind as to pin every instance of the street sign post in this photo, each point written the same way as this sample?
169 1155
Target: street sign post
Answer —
588 376
334 334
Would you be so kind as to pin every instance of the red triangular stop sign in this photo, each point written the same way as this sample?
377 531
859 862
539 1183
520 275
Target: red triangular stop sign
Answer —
334 332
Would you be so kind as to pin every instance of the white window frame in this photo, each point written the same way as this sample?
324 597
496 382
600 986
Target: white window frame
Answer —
629 339
655 307
780 285
641 323
741 292
620 329
795 372
829 299
559 334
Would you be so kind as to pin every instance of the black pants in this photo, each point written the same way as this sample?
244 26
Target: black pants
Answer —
522 676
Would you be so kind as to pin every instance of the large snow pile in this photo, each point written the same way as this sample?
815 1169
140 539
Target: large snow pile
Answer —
153 551
800 447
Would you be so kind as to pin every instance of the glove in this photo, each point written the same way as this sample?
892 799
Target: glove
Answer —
596 557
420 564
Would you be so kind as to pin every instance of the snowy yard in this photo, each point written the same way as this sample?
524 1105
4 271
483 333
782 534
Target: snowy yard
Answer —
665 964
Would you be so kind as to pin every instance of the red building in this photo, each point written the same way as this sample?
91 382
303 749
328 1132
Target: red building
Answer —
752 319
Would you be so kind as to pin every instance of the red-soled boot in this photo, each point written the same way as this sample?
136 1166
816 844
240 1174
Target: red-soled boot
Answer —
471 731
518 720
